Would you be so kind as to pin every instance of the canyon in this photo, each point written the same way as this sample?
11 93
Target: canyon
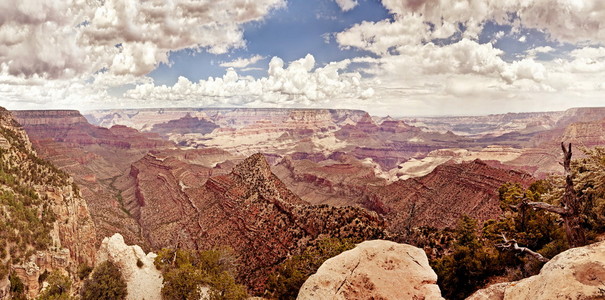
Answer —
269 183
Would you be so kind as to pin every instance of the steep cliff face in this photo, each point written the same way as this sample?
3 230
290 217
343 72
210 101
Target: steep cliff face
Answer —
184 125
580 114
543 158
45 223
70 127
249 210
284 131
490 125
95 156
440 198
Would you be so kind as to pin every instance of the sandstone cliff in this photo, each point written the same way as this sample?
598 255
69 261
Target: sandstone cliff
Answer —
578 273
95 157
374 270
45 223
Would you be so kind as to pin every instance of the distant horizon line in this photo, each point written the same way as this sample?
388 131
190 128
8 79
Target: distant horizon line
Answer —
302 108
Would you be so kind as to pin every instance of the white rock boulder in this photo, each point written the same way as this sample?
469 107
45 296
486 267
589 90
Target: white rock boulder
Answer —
374 270
577 273
143 282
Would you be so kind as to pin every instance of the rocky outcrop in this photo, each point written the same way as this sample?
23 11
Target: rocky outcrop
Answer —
440 198
249 210
578 273
43 211
143 280
374 270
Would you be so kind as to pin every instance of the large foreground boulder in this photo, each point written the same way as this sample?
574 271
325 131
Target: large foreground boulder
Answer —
143 280
577 273
374 270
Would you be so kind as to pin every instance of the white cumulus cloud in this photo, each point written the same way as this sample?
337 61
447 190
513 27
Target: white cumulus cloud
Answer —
63 39
346 5
301 82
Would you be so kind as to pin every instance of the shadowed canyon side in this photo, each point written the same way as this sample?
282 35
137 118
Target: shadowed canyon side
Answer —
45 224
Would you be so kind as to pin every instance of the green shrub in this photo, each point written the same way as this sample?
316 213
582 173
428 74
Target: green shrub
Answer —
469 265
83 271
106 282
285 282
59 287
182 283
17 287
186 271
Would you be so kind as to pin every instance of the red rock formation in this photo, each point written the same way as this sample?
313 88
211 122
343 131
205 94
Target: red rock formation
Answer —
94 156
145 119
340 180
70 127
249 209
184 125
440 198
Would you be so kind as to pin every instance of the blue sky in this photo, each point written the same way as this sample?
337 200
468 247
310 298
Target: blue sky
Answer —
302 27
401 57
289 33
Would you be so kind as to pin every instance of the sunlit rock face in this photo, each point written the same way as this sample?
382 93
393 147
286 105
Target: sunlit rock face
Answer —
577 273
374 270
143 280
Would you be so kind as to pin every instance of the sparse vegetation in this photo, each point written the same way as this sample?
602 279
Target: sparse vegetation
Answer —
470 263
17 289
59 287
186 272
83 271
26 216
285 282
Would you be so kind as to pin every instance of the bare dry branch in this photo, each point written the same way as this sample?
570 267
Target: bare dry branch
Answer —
512 245
548 207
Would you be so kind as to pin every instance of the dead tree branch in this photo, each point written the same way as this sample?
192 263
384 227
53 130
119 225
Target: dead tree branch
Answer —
512 245
548 207
570 205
